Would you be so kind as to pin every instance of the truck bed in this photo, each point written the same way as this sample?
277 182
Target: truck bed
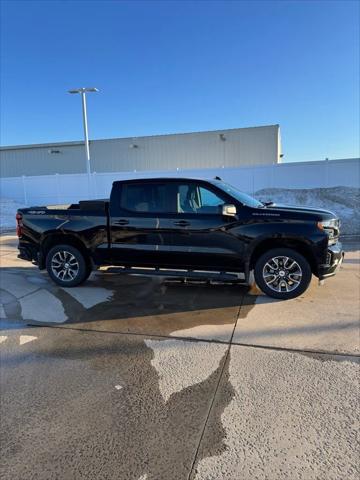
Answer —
96 207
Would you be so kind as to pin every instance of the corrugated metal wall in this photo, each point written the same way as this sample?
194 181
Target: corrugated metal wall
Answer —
228 148
39 160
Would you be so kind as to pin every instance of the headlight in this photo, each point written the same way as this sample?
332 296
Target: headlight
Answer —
330 227
328 224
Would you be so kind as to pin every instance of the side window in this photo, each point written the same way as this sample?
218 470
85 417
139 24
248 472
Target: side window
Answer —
187 199
209 198
148 198
192 198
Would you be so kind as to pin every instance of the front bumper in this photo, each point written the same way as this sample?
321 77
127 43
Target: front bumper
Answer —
334 258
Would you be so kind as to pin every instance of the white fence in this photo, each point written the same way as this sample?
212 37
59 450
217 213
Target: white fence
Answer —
68 188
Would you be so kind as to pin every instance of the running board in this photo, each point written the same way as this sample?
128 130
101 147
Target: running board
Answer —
179 273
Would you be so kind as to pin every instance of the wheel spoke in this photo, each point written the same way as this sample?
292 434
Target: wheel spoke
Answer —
71 273
285 260
275 262
269 282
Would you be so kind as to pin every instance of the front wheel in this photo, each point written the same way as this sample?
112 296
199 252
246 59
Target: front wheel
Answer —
66 266
282 273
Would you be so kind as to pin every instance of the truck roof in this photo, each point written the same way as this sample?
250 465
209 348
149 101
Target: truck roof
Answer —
164 179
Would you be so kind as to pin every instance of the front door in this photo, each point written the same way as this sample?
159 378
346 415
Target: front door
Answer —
199 234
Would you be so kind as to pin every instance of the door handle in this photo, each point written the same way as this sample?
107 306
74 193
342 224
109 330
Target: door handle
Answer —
182 223
121 222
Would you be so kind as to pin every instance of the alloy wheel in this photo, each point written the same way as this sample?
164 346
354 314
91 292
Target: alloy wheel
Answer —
64 266
282 274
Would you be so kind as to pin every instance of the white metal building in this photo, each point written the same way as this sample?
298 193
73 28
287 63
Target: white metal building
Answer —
220 148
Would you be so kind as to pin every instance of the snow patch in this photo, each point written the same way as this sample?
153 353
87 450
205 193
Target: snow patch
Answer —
343 201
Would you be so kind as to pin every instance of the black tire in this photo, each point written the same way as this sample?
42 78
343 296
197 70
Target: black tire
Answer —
89 269
282 282
68 259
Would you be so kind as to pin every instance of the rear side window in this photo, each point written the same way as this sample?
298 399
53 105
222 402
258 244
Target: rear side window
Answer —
148 198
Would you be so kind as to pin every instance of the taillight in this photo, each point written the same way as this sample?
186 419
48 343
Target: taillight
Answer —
18 224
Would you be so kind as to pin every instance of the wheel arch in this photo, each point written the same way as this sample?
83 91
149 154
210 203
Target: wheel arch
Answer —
53 239
298 245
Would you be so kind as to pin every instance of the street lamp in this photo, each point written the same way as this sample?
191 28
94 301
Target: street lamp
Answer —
83 91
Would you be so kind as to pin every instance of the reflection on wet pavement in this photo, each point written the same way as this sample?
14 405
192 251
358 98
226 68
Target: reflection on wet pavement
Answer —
120 303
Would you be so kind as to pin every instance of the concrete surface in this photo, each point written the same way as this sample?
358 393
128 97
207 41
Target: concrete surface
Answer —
140 378
325 318
291 416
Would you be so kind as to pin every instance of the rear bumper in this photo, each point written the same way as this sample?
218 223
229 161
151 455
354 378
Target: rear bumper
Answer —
29 253
25 254
335 256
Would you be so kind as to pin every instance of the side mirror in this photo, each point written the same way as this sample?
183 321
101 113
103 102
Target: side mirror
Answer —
229 210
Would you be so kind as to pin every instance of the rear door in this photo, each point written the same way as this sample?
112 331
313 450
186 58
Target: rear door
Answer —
199 234
135 238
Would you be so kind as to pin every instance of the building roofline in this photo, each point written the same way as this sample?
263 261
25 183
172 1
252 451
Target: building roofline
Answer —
79 142
41 145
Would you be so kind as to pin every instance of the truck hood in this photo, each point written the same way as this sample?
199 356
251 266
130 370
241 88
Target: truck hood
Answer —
295 212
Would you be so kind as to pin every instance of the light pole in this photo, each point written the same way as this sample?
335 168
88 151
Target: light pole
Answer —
83 91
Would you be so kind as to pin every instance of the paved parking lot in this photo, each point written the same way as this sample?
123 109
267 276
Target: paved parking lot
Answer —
145 379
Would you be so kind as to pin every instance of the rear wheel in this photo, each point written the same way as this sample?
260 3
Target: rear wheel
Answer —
282 273
66 266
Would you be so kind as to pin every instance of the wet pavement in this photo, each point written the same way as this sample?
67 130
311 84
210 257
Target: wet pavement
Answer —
130 377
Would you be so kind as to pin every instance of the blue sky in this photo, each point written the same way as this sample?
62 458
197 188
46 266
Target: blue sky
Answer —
169 66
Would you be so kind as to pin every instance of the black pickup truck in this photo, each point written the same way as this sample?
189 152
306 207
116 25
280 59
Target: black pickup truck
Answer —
204 229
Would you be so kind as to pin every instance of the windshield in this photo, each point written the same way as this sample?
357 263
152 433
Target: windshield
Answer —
242 197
